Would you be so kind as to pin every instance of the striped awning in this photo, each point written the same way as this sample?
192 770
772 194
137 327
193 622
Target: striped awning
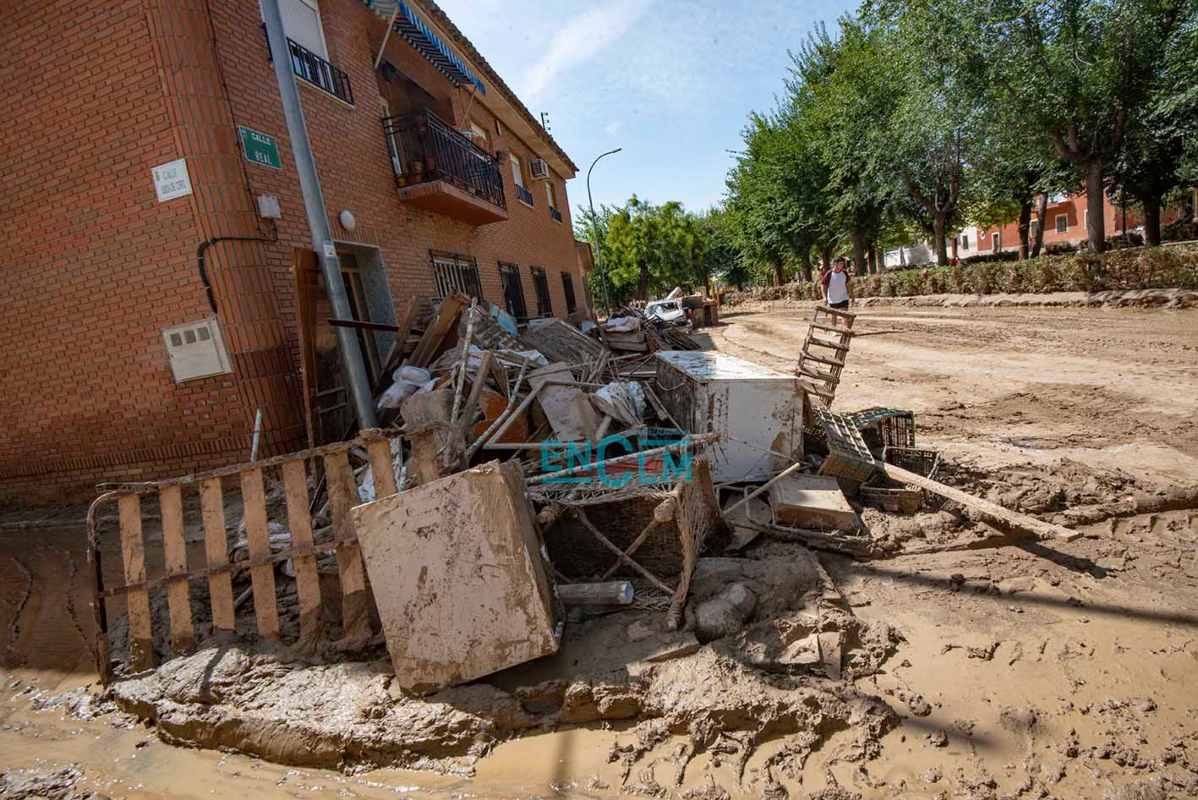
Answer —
420 35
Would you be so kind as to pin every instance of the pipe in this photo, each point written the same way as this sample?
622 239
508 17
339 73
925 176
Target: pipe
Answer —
318 220
202 264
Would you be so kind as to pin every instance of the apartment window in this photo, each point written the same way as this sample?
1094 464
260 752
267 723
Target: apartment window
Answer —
513 290
568 291
517 171
552 198
964 241
1062 222
479 136
455 274
301 23
540 282
995 240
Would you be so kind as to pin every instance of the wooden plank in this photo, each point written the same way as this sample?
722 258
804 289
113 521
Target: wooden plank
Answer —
993 512
355 599
216 548
299 520
178 594
262 578
811 501
447 317
382 467
305 270
133 555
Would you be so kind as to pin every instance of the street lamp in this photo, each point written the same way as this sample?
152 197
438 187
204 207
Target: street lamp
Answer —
595 228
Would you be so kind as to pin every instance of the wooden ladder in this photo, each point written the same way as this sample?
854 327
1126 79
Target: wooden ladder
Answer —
824 352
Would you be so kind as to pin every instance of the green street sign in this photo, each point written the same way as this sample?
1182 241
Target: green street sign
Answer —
259 148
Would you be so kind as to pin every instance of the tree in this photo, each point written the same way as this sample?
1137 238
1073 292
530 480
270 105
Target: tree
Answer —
1079 70
652 247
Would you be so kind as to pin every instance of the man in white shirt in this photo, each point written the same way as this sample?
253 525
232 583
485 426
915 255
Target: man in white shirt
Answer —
838 292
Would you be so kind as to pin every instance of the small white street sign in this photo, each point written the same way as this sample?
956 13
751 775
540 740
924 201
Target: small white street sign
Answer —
171 180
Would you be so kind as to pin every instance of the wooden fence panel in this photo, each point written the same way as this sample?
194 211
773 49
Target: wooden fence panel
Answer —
262 577
295 483
343 495
178 595
220 584
133 554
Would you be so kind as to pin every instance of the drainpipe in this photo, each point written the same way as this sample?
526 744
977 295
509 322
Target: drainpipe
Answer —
318 221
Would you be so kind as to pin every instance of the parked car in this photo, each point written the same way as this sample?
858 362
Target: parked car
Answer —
668 311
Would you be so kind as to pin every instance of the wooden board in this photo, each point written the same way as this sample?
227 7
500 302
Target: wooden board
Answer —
266 610
382 468
216 548
355 600
440 328
305 270
178 594
133 555
307 579
811 501
467 592
992 512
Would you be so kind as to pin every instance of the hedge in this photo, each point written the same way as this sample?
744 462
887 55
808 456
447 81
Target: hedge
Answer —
1174 267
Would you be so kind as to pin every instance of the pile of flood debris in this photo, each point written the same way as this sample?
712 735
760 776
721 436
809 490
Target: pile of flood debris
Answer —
568 510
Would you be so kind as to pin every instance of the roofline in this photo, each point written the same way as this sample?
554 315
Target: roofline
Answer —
434 10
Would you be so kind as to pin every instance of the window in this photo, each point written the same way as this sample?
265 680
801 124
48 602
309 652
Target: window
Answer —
1033 227
1086 218
517 171
995 240
479 136
355 290
513 291
301 23
568 291
455 274
965 241
1062 222
540 282
550 196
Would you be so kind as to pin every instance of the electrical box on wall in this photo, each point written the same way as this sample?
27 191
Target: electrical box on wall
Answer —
196 350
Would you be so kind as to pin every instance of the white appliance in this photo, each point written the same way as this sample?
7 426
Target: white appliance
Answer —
757 411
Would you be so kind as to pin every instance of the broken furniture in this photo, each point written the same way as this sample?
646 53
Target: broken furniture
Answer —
811 501
824 352
216 571
894 496
459 582
884 427
649 534
757 411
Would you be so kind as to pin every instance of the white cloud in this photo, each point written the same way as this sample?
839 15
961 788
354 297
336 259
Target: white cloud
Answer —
581 39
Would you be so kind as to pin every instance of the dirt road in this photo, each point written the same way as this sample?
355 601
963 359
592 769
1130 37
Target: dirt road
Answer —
1065 671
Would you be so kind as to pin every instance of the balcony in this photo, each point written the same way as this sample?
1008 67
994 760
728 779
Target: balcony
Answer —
439 169
315 70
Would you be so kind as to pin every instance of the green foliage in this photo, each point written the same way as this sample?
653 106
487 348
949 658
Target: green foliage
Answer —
649 249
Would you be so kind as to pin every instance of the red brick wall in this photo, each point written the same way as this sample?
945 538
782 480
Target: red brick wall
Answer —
94 266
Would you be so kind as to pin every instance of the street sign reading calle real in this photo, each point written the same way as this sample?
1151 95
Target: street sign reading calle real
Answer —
259 148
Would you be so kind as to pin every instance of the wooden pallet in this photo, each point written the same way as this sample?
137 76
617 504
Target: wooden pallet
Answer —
217 569
824 352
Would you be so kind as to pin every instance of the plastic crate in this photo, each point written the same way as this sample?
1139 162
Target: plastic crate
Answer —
881 492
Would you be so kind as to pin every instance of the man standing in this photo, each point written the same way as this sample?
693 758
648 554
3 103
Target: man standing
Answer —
838 291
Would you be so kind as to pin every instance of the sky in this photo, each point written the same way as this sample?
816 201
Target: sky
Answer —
672 82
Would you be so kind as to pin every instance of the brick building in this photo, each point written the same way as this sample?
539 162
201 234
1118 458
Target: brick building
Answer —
436 179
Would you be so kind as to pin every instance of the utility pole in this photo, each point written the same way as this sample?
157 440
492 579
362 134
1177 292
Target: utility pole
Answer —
595 228
318 221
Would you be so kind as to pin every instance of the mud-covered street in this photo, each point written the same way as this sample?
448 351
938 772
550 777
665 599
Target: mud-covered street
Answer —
1040 670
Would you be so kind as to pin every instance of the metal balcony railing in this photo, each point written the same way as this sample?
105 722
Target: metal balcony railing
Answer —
315 70
318 72
524 195
424 148
553 212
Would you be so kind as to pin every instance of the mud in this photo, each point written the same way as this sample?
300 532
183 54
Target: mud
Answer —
998 669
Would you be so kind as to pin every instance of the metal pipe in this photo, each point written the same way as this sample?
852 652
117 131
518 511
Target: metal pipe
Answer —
318 220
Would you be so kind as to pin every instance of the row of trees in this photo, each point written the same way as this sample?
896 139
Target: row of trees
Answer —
920 116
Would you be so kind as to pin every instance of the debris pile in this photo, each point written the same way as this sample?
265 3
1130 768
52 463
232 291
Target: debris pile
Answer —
618 503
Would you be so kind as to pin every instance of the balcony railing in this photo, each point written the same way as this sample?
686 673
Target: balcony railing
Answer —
315 70
555 214
524 195
424 149
318 72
